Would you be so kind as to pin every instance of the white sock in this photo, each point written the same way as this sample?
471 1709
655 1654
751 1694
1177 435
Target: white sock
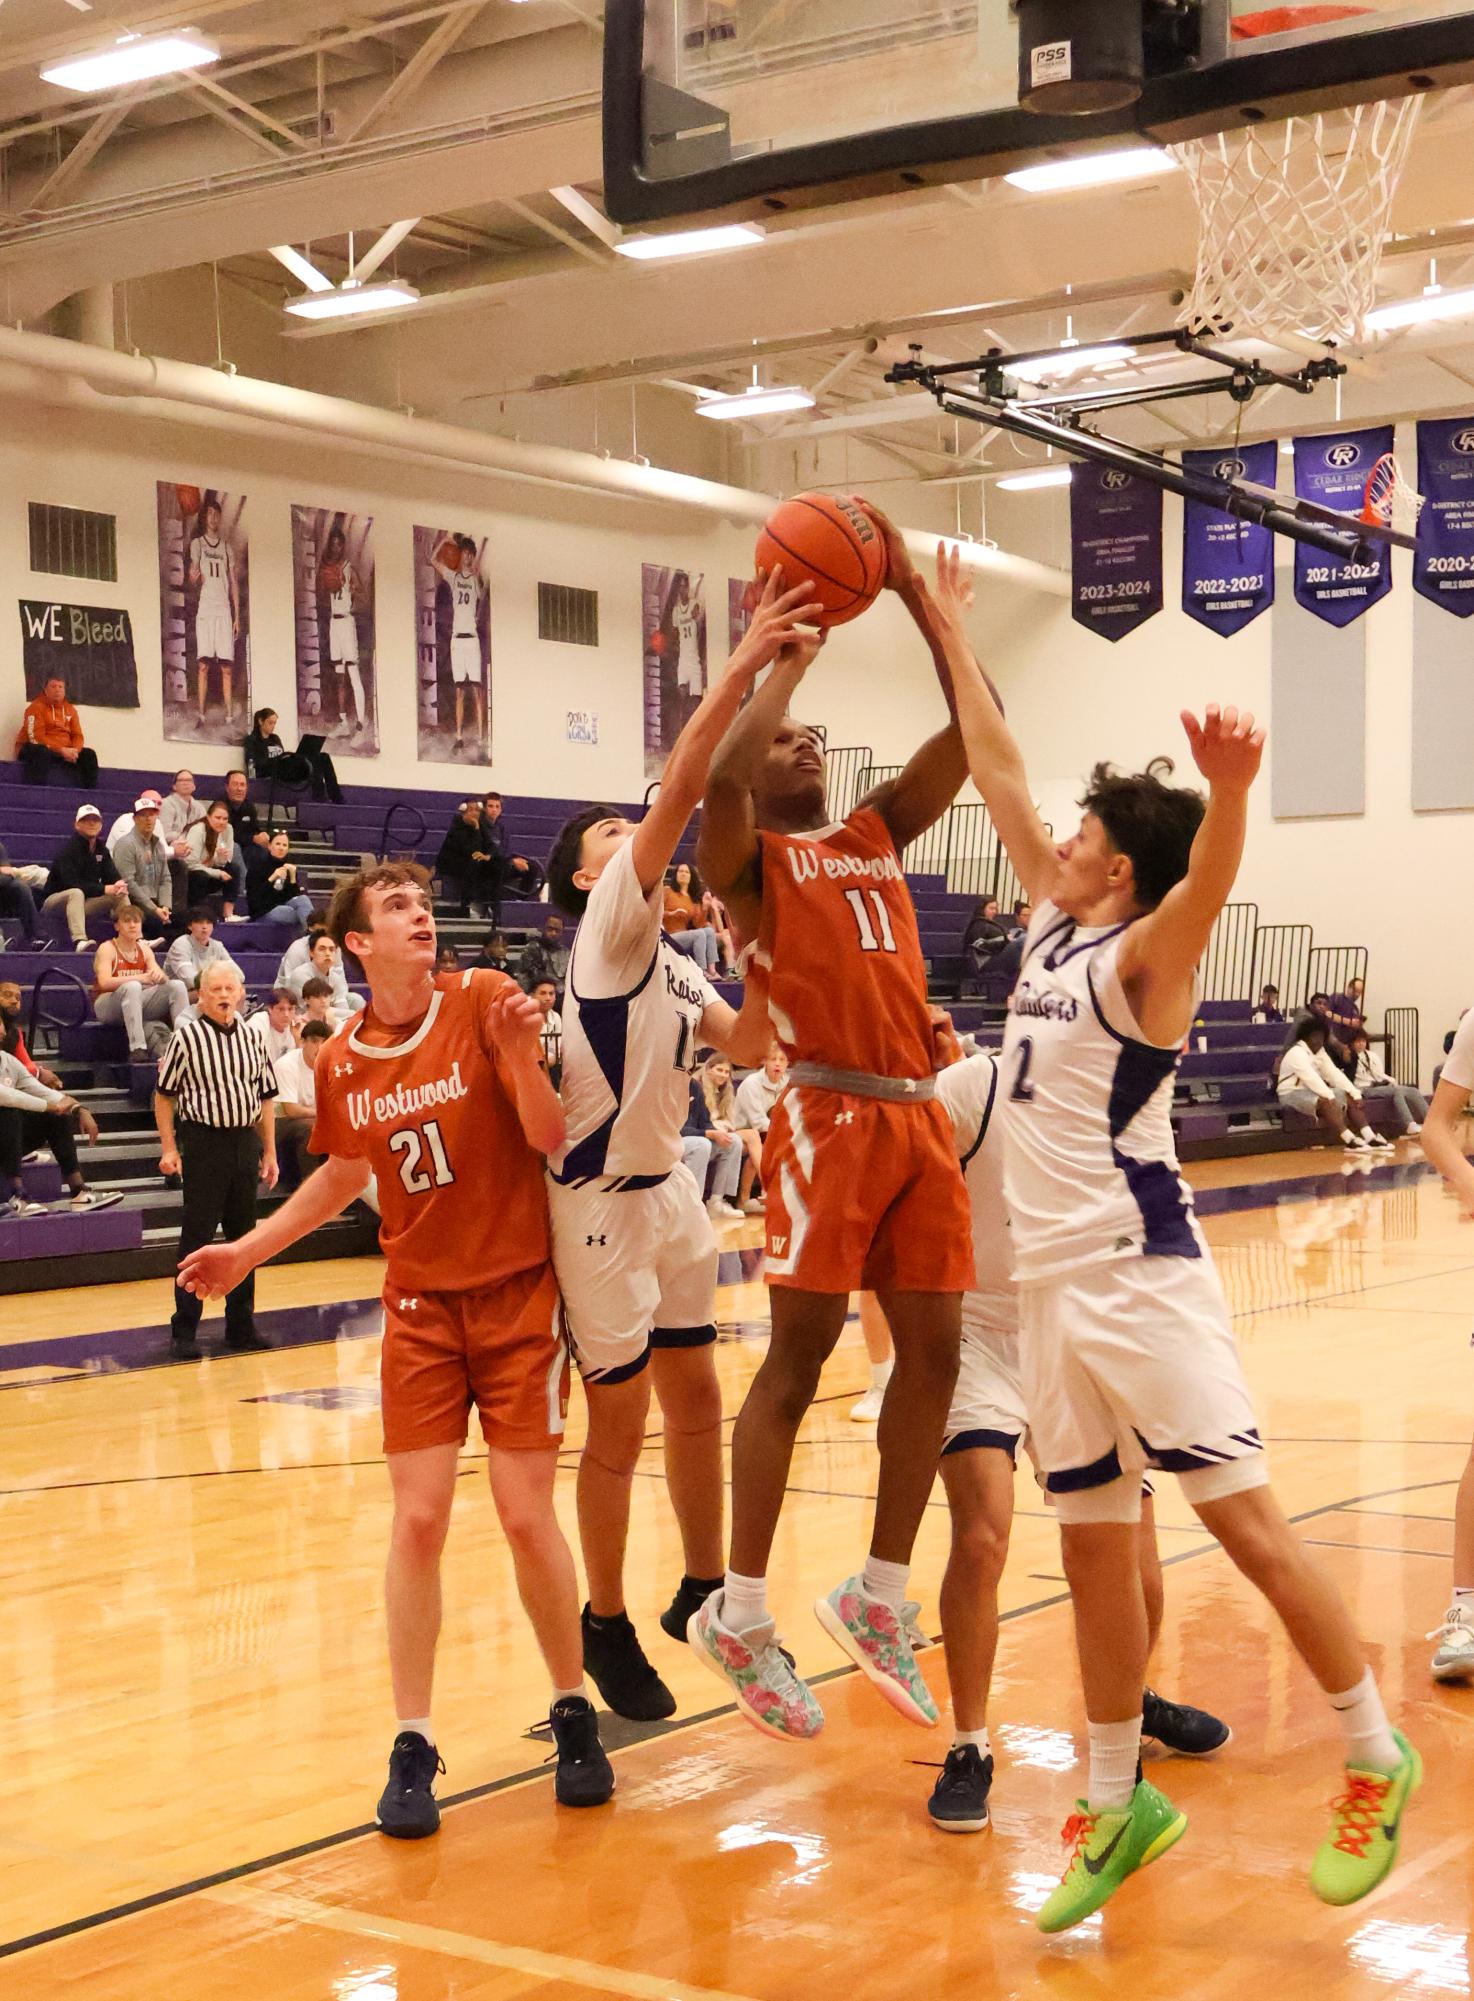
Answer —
568 1694
419 1724
978 1737
1363 1722
1115 1751
885 1581
1367 1133
744 1602
880 1373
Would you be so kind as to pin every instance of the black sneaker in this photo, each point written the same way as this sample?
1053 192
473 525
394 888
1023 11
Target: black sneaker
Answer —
248 1344
959 1800
584 1776
184 1348
1191 1733
407 1808
615 1663
691 1595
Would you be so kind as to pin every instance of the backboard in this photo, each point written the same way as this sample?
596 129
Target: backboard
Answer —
747 107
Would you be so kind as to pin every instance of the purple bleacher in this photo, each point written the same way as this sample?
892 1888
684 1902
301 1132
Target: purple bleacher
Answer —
40 1180
63 1233
1225 1010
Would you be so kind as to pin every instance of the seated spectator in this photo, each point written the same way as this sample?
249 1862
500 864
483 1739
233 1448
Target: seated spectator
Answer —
447 960
465 861
178 811
683 919
19 882
273 892
493 955
1318 1009
245 821
317 1005
1269 1005
545 993
195 948
715 913
695 1146
544 957
1023 914
142 863
296 1106
211 860
737 1153
1370 1079
34 1114
124 822
1309 1082
13 1042
83 881
1346 1011
276 1024
130 987
50 734
266 756
516 873
323 962
761 1089
294 959
983 939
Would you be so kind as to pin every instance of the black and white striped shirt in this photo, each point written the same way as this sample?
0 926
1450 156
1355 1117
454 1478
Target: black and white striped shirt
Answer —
217 1076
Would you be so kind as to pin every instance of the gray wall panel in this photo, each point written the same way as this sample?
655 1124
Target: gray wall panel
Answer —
1317 741
1443 710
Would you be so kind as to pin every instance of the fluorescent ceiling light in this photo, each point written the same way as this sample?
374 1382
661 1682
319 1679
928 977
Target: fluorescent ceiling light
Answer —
755 403
131 60
1431 305
1025 482
344 301
1055 367
692 242
1093 170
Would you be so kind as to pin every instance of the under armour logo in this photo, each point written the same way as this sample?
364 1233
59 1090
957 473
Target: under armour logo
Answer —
844 1118
591 1241
408 1305
342 1069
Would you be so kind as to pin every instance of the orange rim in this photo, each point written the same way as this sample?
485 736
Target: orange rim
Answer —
1285 20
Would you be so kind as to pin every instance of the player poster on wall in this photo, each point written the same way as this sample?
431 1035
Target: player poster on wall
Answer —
333 585
204 613
673 622
742 597
453 647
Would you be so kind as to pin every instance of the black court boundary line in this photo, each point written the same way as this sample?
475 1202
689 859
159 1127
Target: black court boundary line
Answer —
12 1948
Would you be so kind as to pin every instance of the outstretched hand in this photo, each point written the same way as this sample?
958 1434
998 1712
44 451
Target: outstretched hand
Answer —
777 623
1226 747
950 600
217 1269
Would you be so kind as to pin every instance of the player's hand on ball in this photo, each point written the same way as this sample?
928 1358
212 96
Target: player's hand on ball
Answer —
214 1271
776 622
1226 747
900 571
518 1021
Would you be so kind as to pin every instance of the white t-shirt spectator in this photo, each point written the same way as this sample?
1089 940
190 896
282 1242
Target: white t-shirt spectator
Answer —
552 1039
185 960
756 1097
1305 1069
280 1042
1458 1068
297 1084
1369 1072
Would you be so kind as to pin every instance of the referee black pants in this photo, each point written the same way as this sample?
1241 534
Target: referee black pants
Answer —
221 1168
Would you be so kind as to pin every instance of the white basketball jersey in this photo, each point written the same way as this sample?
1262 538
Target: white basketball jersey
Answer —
631 1028
212 560
687 627
340 601
1090 1164
969 1093
464 591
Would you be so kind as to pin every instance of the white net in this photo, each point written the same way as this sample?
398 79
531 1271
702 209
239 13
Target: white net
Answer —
1292 218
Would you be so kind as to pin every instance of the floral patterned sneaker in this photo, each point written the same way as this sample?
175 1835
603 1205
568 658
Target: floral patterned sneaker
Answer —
757 1670
877 1640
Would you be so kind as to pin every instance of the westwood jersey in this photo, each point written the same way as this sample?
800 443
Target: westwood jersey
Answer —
461 1191
465 589
212 560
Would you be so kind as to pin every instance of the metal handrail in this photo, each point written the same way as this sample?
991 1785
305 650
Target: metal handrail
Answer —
61 976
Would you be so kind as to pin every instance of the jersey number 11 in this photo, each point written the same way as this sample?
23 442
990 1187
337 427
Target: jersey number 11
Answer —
869 942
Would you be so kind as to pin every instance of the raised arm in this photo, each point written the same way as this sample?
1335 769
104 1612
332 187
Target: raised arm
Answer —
518 1023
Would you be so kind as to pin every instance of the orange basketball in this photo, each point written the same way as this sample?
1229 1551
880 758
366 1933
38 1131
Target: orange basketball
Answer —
829 541
448 555
189 500
657 644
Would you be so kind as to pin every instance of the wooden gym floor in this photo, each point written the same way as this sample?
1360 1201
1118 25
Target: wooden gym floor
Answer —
199 1711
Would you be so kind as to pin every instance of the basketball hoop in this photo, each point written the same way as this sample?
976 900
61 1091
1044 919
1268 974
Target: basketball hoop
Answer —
1391 499
1293 216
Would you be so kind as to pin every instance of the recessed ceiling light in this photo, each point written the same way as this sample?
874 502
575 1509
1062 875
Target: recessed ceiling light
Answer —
755 403
132 59
691 242
1430 305
1093 170
1026 482
341 302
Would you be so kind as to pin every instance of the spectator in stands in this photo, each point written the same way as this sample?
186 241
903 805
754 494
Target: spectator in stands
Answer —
715 913
273 892
195 948
544 957
211 860
761 1089
737 1152
515 873
684 920
142 863
131 988
51 733
493 954
13 1042
84 881
276 1023
1345 1010
466 862
1268 1009
1309 1082
1318 1009
19 882
317 1004
178 811
323 962
984 937
34 1114
545 993
296 1107
447 960
298 953
1371 1080
1022 917
245 821
124 822
695 1146
266 756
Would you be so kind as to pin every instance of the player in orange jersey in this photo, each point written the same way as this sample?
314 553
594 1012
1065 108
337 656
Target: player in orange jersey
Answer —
862 1180
437 1090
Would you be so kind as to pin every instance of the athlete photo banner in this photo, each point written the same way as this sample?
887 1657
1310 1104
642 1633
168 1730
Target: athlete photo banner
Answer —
1443 562
204 613
673 629
1334 471
333 587
742 597
1227 564
1116 540
453 647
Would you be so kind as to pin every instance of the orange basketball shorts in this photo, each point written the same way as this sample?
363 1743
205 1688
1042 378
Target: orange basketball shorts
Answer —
500 1350
864 1192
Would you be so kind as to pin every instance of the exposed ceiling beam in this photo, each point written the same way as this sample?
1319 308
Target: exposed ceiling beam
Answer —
556 230
245 128
419 66
251 113
388 243
87 148
593 219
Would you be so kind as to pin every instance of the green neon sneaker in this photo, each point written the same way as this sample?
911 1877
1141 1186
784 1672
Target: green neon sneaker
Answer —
1362 1844
1105 1848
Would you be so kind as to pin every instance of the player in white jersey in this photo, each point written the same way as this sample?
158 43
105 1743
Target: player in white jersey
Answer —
217 617
685 618
341 587
1127 1354
632 1243
464 585
986 1426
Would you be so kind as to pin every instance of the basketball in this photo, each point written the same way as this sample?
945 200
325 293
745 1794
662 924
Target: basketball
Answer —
189 500
448 555
829 541
657 645
331 576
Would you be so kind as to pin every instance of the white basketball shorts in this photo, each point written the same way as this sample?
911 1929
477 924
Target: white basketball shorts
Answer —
988 1402
213 637
1131 1365
637 1268
343 640
465 658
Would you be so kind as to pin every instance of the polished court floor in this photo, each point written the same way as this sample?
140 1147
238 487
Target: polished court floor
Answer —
199 1711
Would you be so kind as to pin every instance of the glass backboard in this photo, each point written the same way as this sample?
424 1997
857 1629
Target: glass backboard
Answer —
750 106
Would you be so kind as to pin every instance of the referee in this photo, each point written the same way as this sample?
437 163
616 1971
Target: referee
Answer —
213 1108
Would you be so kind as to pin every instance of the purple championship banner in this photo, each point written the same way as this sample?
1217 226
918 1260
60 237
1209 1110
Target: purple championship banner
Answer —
1116 539
1334 471
1227 565
1443 562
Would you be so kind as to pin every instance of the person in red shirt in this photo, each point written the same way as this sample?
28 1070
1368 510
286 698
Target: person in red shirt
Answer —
51 733
437 1090
862 1181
